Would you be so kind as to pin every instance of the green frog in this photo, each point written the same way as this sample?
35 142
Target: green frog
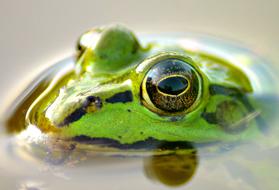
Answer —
131 94
157 99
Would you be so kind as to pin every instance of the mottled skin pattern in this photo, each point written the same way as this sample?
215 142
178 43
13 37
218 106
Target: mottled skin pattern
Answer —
107 96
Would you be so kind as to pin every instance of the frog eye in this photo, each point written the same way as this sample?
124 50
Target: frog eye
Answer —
172 85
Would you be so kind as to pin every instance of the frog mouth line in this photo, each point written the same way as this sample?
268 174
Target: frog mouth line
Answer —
148 144
90 101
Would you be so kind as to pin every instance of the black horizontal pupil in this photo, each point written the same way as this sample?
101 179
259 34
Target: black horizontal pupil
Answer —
173 85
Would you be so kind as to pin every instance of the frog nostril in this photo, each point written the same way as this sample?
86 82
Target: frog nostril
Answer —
90 98
95 100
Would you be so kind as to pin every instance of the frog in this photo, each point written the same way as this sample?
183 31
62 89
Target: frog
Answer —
128 94
163 102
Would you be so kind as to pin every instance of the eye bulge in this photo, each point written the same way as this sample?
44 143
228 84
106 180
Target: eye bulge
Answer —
171 86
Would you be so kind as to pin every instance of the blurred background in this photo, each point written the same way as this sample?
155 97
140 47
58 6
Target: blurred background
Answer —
35 33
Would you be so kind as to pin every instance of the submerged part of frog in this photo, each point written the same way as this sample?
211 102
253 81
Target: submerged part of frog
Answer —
131 94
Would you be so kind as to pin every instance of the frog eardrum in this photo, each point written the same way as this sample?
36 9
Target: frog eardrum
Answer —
172 85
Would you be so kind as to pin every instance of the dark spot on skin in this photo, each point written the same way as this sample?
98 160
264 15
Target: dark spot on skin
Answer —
121 97
72 147
141 133
103 56
218 89
209 117
176 118
129 110
78 113
173 119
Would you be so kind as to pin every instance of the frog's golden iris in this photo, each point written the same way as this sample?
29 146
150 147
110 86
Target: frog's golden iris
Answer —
171 86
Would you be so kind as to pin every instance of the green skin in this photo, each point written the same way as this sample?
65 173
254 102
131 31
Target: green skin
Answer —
116 63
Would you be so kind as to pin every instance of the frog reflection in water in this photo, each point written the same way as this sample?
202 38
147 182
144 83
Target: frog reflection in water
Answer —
125 96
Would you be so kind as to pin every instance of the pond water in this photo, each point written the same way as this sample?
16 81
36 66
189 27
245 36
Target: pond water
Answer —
30 160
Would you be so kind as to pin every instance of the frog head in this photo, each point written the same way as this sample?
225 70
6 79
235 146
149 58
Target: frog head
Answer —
130 94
